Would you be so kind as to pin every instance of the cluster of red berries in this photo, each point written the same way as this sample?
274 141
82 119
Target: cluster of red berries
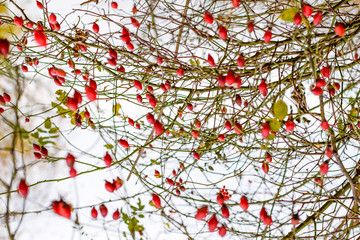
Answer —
40 151
70 161
104 211
114 185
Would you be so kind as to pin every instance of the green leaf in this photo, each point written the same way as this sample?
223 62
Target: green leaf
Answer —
280 110
271 137
274 125
47 123
192 62
108 146
289 14
153 161
53 130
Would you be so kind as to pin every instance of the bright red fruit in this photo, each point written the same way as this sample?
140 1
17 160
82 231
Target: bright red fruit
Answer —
156 200
307 10
130 46
40 38
36 147
325 71
70 160
103 210
221 80
152 100
4 47
73 172
265 167
241 61
329 151
113 54
225 211
235 3
211 60
123 143
118 183
324 125
36 154
179 72
90 93
263 88
170 181
196 155
39 5
222 231
263 213
295 219
112 61
23 188
201 213
268 220
29 25
230 78
158 127
62 208
114 5
237 83
44 151
267 36
212 224
52 18
316 90
265 131
150 118
18 21
109 186
290 125
139 98
208 18
317 18
72 103
297 19
318 181
221 137
238 128
168 85
251 27
324 168
116 215
244 203
190 107
195 134
135 22
95 27
24 68
223 32
107 159
94 213
220 199
339 29
197 123
320 82
228 125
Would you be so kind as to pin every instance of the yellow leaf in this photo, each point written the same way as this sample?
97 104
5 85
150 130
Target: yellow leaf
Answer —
289 14
116 108
280 110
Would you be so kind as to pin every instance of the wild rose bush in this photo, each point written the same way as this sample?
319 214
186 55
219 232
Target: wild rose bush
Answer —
240 118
